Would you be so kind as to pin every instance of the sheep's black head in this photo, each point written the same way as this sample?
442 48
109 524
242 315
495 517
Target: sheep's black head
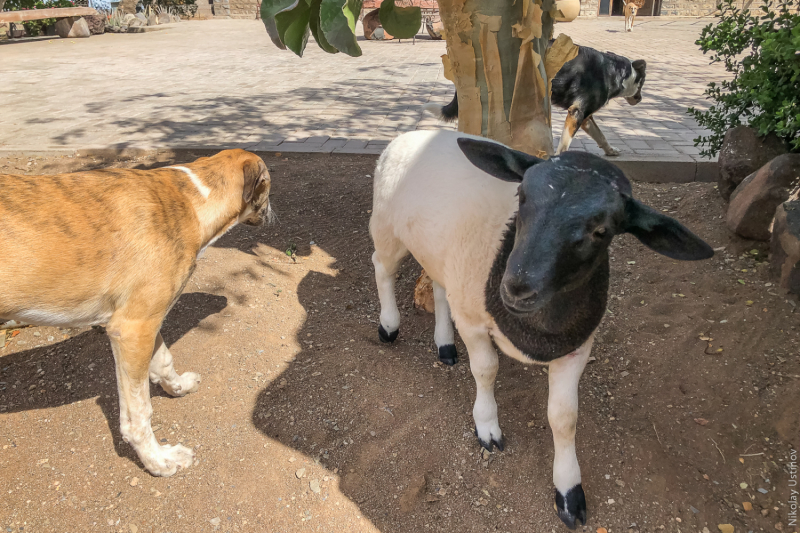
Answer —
570 207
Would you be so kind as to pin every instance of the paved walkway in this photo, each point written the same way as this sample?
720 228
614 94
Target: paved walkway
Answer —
221 84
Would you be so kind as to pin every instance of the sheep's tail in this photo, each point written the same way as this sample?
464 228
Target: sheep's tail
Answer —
445 113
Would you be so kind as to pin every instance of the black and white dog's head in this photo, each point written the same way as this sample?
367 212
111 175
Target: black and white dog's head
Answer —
570 208
632 85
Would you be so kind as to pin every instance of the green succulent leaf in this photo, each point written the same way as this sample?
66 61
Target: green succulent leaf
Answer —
313 24
337 20
270 8
400 22
293 27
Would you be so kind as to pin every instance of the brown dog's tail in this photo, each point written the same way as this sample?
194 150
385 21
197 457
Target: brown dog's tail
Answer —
445 113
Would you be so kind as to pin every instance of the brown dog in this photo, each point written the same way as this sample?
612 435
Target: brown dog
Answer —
632 7
117 247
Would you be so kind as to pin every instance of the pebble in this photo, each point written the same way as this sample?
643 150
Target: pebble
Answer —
764 512
292 459
215 521
314 486
747 506
705 530
620 483
134 481
725 528
300 473
694 509
763 491
133 528
743 485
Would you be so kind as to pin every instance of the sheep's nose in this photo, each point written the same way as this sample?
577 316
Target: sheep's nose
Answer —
521 289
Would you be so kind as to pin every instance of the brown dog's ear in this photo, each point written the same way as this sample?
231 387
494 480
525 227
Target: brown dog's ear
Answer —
255 172
640 65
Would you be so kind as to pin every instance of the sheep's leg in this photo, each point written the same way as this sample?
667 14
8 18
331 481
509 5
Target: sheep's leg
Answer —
562 413
385 269
483 363
443 335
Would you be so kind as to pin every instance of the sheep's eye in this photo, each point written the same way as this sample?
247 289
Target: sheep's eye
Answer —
600 232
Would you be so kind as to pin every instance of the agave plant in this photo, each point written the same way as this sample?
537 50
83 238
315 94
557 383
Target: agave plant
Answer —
332 23
116 18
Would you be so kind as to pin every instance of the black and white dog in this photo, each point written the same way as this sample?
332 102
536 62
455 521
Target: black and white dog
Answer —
583 86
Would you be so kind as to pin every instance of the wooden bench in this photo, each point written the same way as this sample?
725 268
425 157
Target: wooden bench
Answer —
50 13
66 18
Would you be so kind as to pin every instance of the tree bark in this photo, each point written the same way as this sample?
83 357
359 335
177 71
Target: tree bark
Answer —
499 60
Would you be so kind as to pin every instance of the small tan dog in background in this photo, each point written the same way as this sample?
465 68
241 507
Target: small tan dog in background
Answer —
117 247
631 8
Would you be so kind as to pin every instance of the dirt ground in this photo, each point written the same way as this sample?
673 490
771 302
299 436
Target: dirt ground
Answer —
305 422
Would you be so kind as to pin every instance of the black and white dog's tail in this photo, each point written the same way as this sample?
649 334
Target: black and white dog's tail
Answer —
445 113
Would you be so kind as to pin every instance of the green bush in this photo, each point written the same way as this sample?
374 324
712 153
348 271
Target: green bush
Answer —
761 48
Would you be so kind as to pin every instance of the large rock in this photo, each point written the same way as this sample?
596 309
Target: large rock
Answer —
755 200
742 153
97 23
72 27
163 18
371 22
152 20
785 246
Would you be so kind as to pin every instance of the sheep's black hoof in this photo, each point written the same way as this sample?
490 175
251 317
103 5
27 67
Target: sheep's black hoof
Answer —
571 508
501 444
387 337
448 354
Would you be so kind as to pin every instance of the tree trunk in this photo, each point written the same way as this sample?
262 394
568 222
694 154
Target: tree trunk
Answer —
499 60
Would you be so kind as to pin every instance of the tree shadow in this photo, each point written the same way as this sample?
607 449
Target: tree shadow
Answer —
391 422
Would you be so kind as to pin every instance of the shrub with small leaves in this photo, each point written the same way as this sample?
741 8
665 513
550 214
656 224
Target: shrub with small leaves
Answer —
761 48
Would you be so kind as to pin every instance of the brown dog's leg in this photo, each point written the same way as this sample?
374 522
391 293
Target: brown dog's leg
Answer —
571 125
163 372
590 127
133 342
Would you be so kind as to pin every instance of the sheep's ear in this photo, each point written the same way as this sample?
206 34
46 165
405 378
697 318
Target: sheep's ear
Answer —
500 161
663 234
640 66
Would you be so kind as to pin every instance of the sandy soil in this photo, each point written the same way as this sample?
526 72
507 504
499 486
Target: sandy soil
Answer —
305 422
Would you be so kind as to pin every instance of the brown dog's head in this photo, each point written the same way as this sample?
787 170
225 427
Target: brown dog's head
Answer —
255 194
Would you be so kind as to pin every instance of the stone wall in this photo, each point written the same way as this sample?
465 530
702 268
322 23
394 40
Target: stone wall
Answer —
235 9
687 8
589 8
669 8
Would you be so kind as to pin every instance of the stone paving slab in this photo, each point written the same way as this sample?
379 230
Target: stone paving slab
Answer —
222 84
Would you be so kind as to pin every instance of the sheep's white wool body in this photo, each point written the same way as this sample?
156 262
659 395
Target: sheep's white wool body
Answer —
454 230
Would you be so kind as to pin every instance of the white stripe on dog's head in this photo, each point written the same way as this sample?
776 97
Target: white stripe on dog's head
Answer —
201 187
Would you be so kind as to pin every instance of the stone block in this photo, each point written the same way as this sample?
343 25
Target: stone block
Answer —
753 203
785 246
72 28
97 23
